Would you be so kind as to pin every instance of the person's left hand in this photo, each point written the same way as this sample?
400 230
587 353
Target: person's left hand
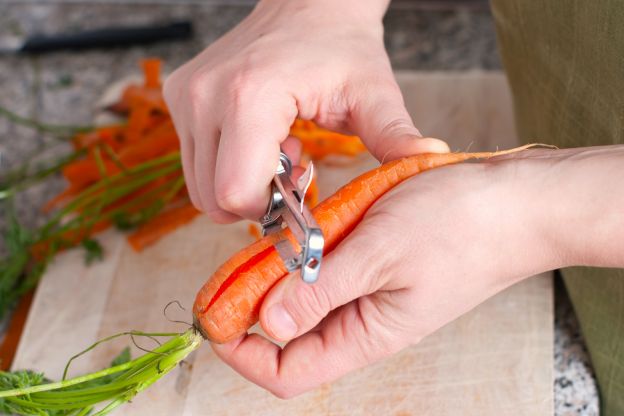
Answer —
430 250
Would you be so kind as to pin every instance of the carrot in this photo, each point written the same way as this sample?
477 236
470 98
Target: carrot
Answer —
160 141
254 231
319 143
151 72
312 196
113 135
161 225
228 304
14 331
149 93
132 93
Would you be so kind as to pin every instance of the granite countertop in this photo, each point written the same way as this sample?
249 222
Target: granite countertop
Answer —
45 87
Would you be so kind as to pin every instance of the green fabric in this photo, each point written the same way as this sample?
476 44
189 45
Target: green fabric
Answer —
565 63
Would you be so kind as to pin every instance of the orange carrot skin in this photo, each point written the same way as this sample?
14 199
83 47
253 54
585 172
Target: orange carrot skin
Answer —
229 303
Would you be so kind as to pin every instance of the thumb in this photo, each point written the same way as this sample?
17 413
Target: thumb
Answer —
294 307
379 117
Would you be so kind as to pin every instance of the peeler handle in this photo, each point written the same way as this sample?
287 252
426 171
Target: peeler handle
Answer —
286 203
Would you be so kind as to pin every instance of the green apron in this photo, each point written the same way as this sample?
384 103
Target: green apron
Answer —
565 63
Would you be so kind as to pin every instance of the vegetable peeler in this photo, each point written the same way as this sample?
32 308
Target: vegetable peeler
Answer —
287 204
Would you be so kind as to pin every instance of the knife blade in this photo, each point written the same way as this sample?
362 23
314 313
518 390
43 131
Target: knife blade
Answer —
99 38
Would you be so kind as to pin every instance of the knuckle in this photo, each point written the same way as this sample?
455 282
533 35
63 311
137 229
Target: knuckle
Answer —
310 302
230 199
198 85
375 235
396 126
389 336
242 91
251 86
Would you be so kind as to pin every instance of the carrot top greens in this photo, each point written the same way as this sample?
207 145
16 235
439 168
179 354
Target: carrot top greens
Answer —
126 199
30 393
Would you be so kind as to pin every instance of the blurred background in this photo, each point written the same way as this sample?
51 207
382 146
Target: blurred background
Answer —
64 86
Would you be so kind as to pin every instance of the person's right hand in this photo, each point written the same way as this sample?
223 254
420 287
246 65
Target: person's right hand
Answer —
319 60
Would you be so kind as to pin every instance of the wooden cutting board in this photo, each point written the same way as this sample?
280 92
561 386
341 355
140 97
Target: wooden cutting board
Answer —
495 360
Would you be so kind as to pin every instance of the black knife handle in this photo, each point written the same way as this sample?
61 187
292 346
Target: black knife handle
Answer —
107 38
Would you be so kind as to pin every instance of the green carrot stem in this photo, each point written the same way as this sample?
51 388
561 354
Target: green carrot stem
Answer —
189 338
136 170
42 127
121 334
18 184
135 186
113 156
95 216
139 169
80 201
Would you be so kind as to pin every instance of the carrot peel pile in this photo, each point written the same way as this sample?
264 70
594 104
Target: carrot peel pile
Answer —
228 304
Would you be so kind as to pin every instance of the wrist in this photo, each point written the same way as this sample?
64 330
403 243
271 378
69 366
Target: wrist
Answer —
585 201
569 205
524 245
362 11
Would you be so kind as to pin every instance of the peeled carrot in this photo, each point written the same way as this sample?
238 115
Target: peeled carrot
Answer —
228 304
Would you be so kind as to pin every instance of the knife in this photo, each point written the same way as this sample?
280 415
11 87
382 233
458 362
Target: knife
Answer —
99 38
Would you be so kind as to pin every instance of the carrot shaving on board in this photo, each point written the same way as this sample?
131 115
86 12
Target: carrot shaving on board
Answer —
163 224
254 231
319 143
151 72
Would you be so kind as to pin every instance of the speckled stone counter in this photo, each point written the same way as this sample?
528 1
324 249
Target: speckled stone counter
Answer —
63 87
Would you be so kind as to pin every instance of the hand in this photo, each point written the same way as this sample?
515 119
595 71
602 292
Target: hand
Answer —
233 104
430 250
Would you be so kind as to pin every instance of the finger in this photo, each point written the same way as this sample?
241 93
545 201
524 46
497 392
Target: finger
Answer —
172 95
292 147
293 307
347 340
249 152
187 154
379 117
204 172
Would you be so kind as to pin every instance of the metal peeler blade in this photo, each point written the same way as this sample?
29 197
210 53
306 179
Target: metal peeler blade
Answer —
287 204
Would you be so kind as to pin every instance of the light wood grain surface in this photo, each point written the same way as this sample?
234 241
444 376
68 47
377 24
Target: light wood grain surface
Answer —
495 360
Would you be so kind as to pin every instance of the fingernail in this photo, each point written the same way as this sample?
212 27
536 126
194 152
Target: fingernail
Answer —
281 323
